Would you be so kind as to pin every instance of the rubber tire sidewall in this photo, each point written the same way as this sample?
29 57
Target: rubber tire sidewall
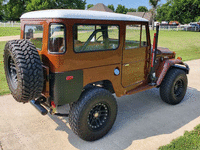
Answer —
90 99
16 92
178 99
167 86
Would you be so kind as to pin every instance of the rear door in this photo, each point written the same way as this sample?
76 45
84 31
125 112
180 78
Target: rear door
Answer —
134 55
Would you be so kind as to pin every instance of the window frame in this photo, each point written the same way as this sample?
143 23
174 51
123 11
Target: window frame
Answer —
24 34
78 24
140 36
65 38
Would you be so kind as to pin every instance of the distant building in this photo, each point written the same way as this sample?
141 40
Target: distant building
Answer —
100 7
146 15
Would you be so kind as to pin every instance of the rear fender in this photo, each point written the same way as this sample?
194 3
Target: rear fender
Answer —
175 63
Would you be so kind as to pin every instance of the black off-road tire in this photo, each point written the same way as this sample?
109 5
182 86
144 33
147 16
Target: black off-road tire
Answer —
174 86
94 104
23 70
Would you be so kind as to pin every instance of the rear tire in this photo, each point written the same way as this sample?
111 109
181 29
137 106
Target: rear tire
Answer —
94 114
23 70
174 86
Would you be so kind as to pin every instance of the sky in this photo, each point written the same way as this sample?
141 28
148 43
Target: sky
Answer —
126 3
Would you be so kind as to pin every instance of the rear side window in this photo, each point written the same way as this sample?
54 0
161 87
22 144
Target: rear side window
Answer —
135 36
57 42
89 38
34 33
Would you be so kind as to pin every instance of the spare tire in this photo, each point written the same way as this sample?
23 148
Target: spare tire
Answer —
23 70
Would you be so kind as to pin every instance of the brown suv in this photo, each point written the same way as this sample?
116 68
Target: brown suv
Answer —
82 58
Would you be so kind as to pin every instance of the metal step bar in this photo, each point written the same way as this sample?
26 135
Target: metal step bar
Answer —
39 107
43 110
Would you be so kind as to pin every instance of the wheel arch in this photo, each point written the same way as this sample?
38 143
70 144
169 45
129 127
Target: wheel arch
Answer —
106 84
184 68
171 63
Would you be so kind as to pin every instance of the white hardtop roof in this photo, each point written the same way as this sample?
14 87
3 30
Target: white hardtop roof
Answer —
79 14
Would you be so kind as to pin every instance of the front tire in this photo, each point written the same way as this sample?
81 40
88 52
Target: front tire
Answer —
174 86
94 114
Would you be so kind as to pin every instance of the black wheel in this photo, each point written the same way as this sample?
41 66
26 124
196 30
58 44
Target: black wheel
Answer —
23 70
94 114
174 86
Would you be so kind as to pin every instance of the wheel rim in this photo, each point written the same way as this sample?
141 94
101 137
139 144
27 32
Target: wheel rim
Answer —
98 116
178 88
12 72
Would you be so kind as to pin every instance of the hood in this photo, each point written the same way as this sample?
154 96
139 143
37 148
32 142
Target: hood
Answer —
162 51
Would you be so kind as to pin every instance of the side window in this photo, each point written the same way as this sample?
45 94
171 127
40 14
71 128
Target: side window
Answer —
57 43
135 36
89 38
34 33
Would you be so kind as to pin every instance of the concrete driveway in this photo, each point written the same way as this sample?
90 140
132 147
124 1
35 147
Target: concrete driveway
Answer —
143 122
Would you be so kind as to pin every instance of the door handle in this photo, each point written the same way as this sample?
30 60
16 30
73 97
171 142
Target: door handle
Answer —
126 65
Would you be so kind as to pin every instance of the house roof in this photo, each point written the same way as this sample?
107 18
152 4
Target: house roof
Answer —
79 14
139 14
146 15
100 7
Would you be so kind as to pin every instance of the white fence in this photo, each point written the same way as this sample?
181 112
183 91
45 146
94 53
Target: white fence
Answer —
177 28
9 24
169 28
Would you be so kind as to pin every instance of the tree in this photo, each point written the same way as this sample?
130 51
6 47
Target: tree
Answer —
53 4
121 9
40 5
154 4
70 4
197 19
142 9
132 10
163 12
111 7
1 9
89 6
183 11
14 9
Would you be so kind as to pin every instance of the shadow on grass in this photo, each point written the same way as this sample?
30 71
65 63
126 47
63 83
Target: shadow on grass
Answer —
140 116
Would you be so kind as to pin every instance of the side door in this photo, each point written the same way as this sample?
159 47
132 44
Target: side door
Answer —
134 55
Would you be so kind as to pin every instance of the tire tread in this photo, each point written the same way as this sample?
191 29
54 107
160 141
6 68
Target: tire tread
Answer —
165 88
30 70
76 108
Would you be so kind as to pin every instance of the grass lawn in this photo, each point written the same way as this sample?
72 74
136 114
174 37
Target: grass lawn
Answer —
9 31
3 83
185 44
190 140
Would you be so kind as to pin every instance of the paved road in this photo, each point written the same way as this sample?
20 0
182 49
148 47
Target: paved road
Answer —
143 122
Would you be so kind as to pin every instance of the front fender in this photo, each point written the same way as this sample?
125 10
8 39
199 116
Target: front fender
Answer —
171 63
184 67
